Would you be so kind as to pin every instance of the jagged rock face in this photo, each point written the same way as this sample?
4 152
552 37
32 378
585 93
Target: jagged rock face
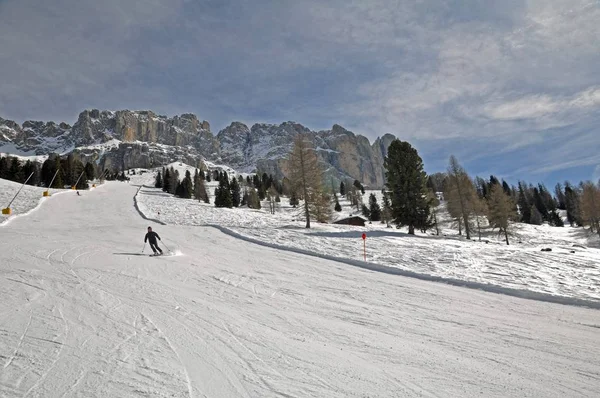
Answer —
264 148
353 156
150 140
182 131
234 141
92 127
139 154
8 131
249 150
33 137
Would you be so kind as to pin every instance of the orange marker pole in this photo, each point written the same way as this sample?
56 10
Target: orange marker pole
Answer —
364 238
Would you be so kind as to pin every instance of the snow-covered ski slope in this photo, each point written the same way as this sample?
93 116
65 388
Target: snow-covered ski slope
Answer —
570 271
82 313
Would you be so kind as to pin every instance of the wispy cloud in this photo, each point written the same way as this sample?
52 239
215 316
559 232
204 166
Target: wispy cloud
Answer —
486 81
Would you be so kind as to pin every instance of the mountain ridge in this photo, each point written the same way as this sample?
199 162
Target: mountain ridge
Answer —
146 139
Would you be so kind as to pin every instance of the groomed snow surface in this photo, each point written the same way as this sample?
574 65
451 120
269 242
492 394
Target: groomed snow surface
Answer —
571 270
84 313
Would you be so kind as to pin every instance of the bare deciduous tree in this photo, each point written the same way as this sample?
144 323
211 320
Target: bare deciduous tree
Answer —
501 210
479 211
590 205
460 194
306 177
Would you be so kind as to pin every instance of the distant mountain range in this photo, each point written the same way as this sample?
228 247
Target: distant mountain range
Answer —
126 139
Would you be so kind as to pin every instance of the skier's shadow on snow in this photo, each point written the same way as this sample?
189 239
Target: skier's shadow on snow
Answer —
130 254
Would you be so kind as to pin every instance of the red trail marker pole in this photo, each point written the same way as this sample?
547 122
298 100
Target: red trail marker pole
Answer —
364 238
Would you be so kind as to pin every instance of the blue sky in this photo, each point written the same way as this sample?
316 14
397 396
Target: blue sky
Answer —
509 87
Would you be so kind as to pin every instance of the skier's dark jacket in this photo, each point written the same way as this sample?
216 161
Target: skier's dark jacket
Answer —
151 236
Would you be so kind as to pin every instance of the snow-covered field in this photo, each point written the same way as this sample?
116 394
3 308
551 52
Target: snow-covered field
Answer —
83 313
571 270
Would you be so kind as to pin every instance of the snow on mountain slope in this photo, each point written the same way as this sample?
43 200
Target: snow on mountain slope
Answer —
570 270
84 314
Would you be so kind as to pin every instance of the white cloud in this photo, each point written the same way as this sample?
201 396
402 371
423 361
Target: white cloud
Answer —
537 106
596 174
470 76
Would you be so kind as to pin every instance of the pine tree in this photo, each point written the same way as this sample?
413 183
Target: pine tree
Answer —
236 193
538 201
90 171
158 183
359 186
493 181
200 189
262 193
560 196
482 187
58 180
337 206
223 194
187 186
374 208
15 173
407 182
524 204
506 188
4 167
166 186
31 169
365 212
253 199
572 206
535 216
555 219
501 210
79 176
179 191
174 180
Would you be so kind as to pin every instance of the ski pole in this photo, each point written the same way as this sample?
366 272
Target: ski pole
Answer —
144 247
167 247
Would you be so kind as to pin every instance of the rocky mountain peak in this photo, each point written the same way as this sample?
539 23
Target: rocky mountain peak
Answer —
145 139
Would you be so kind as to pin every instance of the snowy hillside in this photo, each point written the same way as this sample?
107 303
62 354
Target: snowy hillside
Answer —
85 313
28 199
571 270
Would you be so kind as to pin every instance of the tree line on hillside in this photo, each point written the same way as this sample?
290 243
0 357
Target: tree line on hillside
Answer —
71 171
532 204
411 198
230 192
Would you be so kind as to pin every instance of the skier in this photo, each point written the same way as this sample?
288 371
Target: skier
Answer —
151 236
78 194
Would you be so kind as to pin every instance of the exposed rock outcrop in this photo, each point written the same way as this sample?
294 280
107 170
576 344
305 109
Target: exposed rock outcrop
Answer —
125 139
